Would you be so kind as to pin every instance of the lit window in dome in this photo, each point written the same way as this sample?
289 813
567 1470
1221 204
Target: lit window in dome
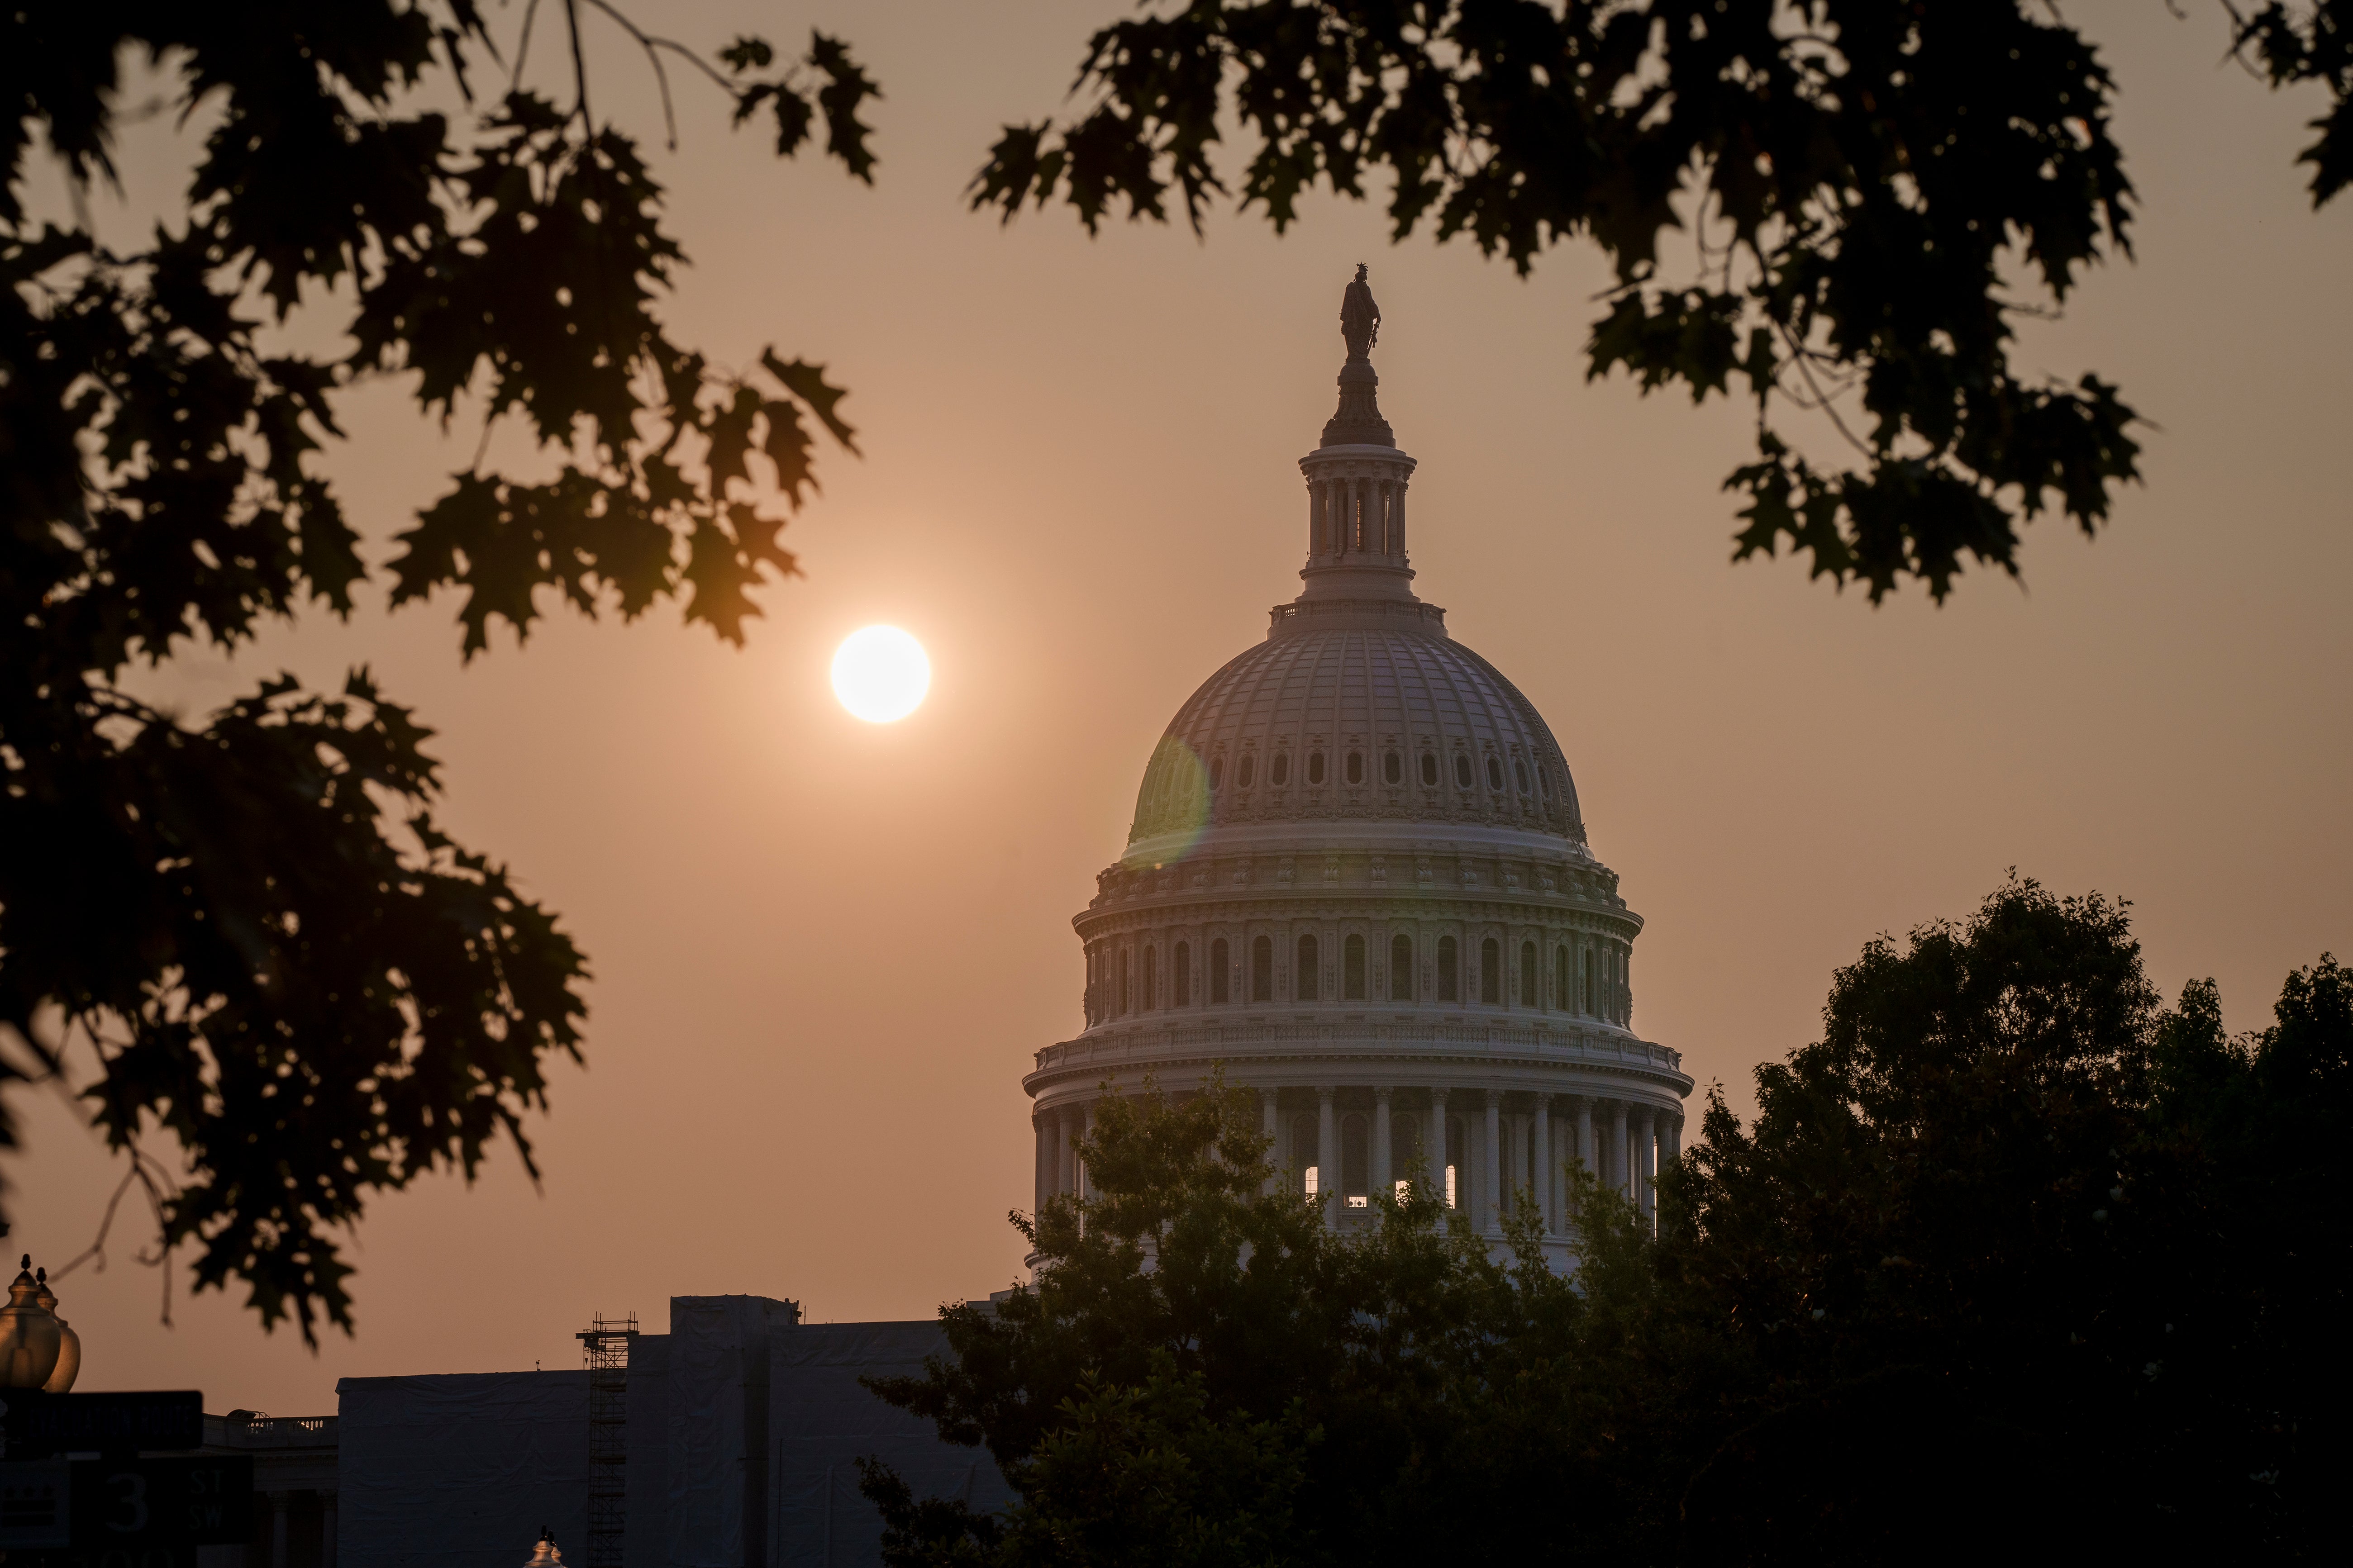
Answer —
1279 775
1355 767
1217 772
1243 770
1495 773
1462 772
1430 770
1315 767
1393 769
1519 772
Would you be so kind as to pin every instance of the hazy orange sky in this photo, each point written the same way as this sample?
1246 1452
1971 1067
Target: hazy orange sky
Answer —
824 951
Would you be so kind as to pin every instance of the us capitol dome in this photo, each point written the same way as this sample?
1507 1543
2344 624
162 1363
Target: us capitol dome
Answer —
1358 880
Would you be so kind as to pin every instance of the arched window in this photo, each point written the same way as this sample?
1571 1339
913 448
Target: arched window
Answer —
1355 767
1355 1160
1123 962
1303 1153
1491 972
1352 969
1527 975
1495 772
1392 769
1315 767
1180 977
1244 769
1217 771
1400 968
1279 775
1221 968
1585 989
1450 987
1462 772
1148 993
1303 977
1560 979
1519 774
1430 770
1263 969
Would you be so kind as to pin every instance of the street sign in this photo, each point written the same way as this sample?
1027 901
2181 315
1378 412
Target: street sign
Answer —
33 1505
207 1502
47 1424
140 1513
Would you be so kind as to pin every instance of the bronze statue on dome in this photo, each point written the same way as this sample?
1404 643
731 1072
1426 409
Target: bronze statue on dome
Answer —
1360 318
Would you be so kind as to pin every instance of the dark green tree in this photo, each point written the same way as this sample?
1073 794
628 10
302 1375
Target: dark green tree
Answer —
2011 1253
1872 195
1206 1372
246 930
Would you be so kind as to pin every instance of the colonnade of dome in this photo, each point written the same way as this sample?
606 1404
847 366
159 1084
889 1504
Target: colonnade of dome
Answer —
1358 883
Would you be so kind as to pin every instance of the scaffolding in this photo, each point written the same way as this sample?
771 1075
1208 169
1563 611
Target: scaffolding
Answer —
606 1342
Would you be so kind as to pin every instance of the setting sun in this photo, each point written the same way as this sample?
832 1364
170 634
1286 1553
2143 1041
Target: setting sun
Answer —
881 674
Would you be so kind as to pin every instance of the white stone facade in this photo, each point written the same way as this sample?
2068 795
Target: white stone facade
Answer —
1358 881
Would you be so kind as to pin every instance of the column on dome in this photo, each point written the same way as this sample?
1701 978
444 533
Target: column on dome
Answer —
1491 1209
1397 519
1434 1145
1585 1154
1086 1130
1671 1141
1043 1186
1540 1130
1327 1149
1646 1148
1382 1182
1266 1098
1619 1176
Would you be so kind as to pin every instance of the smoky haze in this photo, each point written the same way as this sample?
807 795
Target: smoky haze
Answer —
824 951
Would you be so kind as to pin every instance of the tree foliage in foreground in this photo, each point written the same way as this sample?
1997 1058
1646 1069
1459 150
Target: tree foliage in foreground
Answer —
250 922
2013 1253
1876 193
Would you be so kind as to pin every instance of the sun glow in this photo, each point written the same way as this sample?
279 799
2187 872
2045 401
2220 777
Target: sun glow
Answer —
881 674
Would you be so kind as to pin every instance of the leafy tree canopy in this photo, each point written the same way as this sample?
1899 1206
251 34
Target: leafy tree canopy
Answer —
252 925
1875 193
2013 1252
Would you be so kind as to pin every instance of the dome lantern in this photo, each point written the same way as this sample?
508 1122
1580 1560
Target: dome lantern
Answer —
1355 484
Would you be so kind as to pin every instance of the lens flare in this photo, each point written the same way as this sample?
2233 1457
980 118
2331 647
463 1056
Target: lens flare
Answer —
881 674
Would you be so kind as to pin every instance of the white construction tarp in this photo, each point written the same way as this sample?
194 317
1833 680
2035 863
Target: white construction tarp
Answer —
822 1421
461 1470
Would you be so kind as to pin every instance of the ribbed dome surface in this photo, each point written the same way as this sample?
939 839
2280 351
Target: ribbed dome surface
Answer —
1387 710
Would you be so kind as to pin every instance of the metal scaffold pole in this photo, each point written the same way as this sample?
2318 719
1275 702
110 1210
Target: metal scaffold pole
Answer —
606 1342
